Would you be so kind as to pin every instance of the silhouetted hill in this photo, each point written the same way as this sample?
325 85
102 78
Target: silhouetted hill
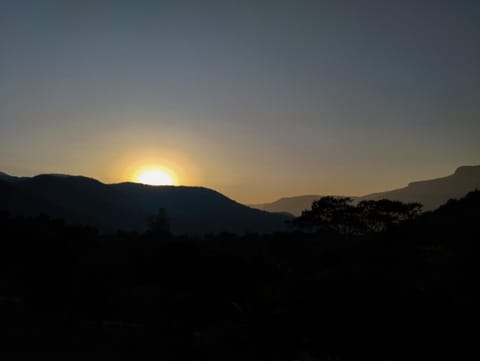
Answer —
7 177
128 206
434 192
430 193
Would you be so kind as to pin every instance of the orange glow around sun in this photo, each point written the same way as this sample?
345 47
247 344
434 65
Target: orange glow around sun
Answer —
156 176
153 168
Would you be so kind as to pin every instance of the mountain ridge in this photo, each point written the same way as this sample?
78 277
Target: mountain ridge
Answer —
128 206
191 209
431 193
292 205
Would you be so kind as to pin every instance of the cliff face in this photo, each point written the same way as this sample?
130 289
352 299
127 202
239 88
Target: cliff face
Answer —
430 193
435 192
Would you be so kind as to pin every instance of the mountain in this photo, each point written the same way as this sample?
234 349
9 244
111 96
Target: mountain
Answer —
434 192
431 193
6 177
128 206
291 205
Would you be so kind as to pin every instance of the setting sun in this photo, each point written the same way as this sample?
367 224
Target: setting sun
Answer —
156 177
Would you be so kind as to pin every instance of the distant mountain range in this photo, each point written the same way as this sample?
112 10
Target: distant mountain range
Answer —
189 210
291 205
431 193
435 192
128 206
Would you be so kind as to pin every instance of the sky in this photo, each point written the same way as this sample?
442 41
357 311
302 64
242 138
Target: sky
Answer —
256 99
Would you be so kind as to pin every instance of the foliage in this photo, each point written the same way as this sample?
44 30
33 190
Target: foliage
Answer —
158 225
339 215
406 293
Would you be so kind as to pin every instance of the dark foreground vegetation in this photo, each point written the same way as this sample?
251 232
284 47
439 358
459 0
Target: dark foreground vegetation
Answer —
399 289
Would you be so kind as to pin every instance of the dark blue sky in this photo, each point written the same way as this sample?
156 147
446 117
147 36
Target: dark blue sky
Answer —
257 99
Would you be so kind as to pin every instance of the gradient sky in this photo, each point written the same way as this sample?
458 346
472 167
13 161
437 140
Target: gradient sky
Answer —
256 99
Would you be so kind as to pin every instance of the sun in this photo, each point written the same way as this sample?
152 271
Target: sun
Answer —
156 177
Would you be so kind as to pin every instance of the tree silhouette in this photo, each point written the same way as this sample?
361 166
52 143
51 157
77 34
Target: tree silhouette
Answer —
378 216
338 215
158 225
329 214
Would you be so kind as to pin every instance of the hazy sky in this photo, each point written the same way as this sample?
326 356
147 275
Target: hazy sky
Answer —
257 99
